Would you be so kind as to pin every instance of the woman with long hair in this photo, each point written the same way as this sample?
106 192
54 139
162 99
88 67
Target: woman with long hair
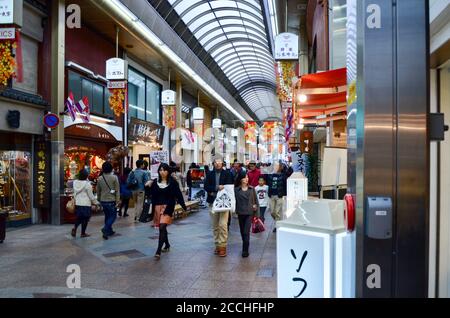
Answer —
246 208
165 194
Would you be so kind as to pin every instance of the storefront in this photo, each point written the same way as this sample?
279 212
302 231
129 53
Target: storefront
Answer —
86 146
145 134
16 178
143 138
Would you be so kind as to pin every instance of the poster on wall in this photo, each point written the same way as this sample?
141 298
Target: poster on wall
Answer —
156 158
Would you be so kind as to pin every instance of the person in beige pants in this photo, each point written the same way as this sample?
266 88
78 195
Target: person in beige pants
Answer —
214 182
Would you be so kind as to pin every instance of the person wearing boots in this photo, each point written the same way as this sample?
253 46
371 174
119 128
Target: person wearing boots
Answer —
165 192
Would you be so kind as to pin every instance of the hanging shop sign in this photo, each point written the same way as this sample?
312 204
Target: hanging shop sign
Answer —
51 121
198 113
116 69
286 47
217 123
41 171
168 98
7 33
140 131
11 12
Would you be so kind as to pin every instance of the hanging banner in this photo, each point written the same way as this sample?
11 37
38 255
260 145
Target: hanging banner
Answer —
42 173
170 116
250 132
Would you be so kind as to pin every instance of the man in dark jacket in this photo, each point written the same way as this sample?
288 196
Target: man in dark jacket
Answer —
277 183
214 182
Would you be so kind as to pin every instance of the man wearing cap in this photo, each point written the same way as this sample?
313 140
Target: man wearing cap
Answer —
214 182
253 174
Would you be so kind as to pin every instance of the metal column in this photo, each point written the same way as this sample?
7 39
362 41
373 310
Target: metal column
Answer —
58 19
388 143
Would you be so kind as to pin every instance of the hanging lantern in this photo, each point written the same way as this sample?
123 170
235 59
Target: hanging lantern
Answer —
234 133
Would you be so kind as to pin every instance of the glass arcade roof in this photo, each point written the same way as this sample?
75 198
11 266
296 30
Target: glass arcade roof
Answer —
233 33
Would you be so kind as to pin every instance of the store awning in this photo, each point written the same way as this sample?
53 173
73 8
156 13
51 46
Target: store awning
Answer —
321 94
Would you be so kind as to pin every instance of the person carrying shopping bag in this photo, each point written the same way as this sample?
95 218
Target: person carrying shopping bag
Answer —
84 199
247 207
165 193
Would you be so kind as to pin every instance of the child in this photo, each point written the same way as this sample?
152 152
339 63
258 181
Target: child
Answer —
262 192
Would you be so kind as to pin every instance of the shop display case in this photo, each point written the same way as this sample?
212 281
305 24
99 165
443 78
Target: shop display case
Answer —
15 187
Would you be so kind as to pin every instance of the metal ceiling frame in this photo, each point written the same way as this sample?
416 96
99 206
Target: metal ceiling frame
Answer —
243 53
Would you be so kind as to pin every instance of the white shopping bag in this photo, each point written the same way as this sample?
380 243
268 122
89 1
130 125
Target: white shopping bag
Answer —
225 200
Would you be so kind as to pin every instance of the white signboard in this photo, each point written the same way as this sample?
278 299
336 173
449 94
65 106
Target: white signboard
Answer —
116 69
286 46
334 167
168 98
117 84
217 123
6 11
7 34
198 113
304 264
156 158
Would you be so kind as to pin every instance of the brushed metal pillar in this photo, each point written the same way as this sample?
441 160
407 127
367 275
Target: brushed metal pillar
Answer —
388 142
58 19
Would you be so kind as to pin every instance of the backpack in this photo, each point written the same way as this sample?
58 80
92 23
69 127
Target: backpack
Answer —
132 182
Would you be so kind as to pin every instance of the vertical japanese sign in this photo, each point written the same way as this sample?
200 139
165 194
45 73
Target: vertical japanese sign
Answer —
41 174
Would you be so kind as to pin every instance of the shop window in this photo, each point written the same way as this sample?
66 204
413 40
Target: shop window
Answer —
144 97
15 185
153 101
97 94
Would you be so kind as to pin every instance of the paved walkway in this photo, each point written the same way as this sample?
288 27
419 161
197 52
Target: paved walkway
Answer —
33 262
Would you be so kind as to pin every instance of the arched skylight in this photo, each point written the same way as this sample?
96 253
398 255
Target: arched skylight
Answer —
233 33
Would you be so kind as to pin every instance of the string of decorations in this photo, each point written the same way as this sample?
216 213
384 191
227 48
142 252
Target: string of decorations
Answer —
7 61
116 101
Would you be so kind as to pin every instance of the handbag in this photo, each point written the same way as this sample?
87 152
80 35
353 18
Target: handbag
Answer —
257 225
70 206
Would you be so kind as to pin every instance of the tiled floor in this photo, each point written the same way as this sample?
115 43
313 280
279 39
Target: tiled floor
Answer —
34 260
